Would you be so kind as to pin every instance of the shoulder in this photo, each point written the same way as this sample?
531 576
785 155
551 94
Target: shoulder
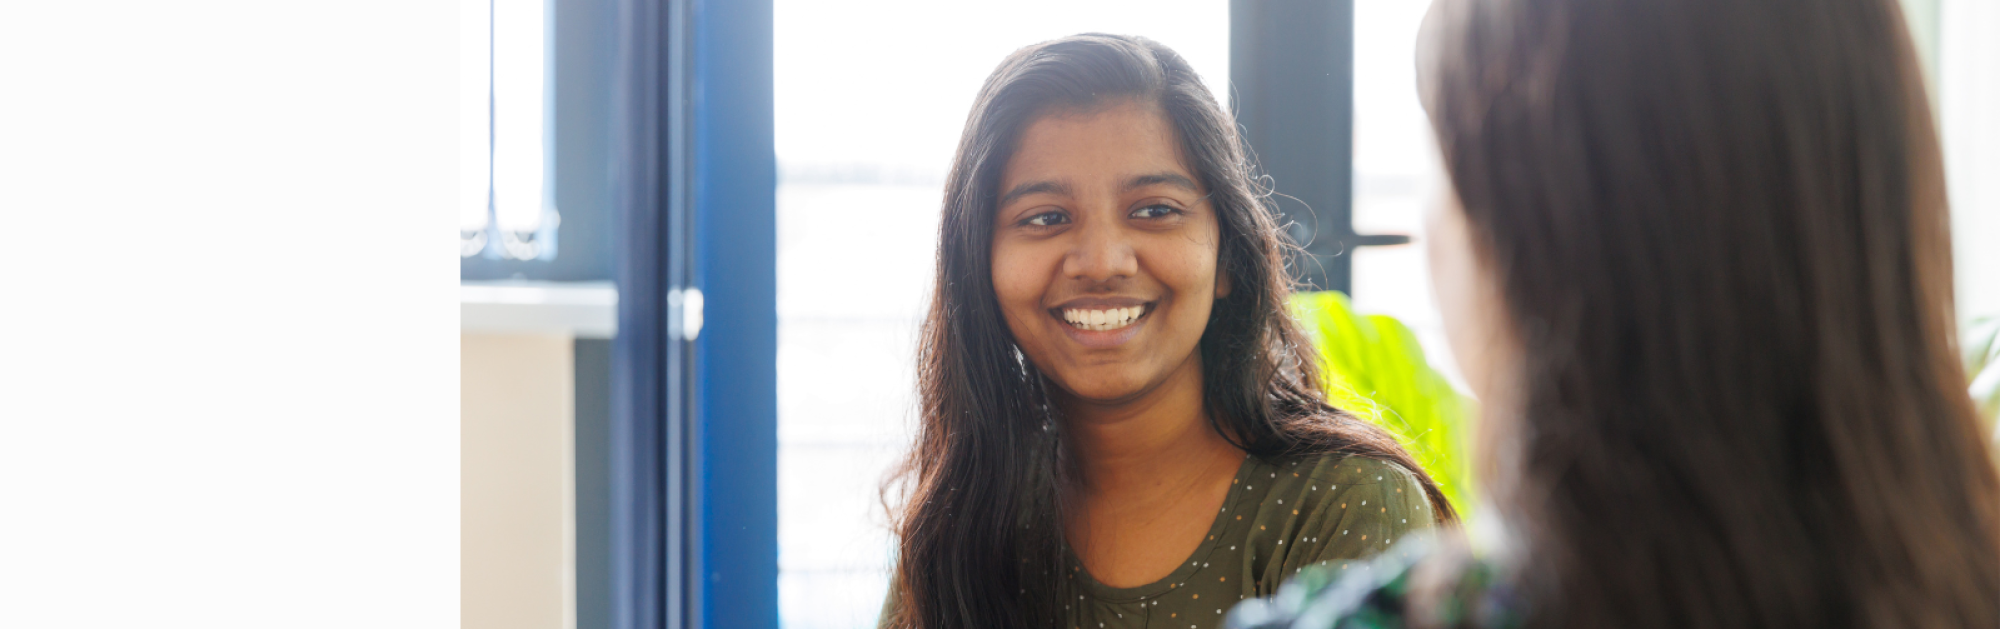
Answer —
1330 466
1337 479
1352 469
1305 510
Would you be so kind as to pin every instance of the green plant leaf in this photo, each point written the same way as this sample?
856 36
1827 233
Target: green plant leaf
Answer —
1374 367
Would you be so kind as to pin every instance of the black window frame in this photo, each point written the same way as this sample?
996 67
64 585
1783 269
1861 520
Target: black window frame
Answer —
1291 70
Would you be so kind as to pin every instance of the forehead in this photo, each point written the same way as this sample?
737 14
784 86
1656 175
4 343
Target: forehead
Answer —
1097 145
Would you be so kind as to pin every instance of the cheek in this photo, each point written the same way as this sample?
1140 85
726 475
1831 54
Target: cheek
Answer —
1189 269
1019 279
1464 296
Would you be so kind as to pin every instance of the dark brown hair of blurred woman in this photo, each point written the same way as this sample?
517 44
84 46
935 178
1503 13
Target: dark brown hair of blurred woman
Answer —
1718 228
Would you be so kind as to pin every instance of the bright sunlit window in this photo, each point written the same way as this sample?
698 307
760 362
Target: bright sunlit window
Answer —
506 209
1395 173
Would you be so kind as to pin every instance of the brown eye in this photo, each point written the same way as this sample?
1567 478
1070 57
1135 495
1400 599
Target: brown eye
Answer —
1155 211
1046 219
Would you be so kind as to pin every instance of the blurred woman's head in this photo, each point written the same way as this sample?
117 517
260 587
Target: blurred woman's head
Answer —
1101 235
1718 347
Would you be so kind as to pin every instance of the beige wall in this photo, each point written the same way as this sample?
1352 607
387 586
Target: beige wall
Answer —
517 493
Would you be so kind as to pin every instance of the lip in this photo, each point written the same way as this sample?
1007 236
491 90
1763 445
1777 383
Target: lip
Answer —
1107 339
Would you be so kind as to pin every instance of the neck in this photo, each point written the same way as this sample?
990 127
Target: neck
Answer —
1156 442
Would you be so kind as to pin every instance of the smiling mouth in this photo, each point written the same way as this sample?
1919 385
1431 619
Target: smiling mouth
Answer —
1103 319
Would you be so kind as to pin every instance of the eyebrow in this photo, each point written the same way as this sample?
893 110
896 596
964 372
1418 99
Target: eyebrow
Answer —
1034 187
1172 179
1062 188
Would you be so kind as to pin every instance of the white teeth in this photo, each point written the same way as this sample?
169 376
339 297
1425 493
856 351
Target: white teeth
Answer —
1101 320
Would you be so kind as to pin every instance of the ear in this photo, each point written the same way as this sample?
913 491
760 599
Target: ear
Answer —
1221 285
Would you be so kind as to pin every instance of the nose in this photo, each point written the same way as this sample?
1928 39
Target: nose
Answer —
1102 253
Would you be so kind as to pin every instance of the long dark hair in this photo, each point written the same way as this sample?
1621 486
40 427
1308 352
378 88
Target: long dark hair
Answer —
980 527
1720 234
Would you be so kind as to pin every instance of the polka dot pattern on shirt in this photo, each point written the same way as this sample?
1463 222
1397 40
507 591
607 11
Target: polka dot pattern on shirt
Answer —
1264 533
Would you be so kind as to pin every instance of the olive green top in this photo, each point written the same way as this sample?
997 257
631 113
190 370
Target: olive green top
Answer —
1279 517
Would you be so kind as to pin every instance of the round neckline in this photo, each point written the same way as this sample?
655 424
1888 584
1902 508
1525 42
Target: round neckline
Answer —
1192 564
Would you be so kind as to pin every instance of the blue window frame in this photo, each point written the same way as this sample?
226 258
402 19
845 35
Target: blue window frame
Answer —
694 418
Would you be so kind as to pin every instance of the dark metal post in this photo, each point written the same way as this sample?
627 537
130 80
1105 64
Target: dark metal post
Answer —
649 402
1291 65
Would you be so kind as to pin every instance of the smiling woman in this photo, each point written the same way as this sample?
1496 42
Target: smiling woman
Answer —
1120 423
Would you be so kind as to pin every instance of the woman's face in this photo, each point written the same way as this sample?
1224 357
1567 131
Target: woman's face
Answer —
1468 296
1104 251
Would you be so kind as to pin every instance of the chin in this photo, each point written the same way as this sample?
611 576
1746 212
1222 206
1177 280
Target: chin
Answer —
1105 387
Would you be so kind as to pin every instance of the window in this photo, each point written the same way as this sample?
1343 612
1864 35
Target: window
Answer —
536 104
1395 173
507 211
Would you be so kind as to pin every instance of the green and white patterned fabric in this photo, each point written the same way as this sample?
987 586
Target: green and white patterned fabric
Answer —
1378 595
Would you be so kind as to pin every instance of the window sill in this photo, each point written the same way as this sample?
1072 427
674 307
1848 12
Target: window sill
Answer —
577 309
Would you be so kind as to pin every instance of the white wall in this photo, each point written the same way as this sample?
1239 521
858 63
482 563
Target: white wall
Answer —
517 491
